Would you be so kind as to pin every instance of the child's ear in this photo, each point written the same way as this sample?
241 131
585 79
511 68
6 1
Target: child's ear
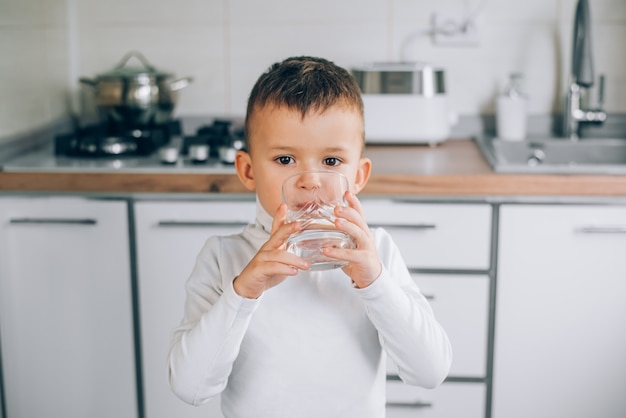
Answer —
243 165
362 174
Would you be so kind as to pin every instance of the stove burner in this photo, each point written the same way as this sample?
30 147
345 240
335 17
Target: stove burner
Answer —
223 138
114 139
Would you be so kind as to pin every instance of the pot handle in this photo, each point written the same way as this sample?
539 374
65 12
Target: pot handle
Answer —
180 83
137 55
88 81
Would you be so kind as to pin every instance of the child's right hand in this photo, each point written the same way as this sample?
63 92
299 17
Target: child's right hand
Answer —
272 263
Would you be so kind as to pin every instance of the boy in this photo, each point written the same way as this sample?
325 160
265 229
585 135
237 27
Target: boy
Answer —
276 339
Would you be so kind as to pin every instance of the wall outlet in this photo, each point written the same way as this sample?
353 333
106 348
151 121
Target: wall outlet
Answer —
454 30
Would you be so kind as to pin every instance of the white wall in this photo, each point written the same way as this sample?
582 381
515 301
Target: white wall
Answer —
226 44
33 64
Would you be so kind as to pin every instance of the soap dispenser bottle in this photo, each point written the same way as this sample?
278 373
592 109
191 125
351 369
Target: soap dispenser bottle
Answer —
511 108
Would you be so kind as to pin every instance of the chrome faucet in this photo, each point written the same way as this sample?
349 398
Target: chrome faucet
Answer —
582 78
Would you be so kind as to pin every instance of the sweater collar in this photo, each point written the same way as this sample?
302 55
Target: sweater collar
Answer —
263 219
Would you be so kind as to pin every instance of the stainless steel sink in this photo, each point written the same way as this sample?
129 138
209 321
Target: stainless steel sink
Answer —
556 155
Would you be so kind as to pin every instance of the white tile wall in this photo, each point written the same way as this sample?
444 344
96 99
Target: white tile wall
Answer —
33 64
226 44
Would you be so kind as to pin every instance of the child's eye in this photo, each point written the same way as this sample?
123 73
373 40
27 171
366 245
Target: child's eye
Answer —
284 160
332 161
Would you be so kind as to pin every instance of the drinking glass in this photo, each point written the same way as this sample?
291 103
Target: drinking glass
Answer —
311 197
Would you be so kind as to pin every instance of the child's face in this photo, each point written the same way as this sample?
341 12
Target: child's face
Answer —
283 144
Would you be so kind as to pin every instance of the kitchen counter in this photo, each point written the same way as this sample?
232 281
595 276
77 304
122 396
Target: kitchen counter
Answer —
453 168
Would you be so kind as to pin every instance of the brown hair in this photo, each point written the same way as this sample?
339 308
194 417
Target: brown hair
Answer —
304 84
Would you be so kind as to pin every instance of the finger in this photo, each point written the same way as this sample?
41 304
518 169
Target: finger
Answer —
356 231
281 259
279 217
281 234
349 255
354 202
297 262
278 269
352 215
351 221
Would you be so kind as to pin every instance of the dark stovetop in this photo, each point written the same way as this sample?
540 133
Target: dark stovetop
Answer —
48 158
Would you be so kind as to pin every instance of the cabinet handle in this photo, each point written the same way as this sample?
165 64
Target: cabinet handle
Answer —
428 296
405 226
608 229
415 404
68 221
202 224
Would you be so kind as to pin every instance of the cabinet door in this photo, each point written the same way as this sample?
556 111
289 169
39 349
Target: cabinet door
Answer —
169 237
66 308
560 338
436 236
450 400
460 304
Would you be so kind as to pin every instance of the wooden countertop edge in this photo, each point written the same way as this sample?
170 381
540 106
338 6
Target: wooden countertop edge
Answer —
499 184
491 184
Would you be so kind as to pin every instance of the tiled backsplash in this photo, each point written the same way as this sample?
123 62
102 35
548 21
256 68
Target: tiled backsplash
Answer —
46 45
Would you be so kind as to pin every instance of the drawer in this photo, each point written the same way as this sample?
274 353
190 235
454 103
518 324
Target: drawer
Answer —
450 400
197 214
461 305
437 236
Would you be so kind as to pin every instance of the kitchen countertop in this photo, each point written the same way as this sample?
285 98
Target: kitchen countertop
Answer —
453 168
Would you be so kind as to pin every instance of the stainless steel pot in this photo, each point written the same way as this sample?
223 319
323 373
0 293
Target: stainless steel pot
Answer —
136 95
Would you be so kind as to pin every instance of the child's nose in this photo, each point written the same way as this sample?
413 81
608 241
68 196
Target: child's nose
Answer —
309 181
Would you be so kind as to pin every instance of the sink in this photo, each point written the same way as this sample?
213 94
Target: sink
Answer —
555 155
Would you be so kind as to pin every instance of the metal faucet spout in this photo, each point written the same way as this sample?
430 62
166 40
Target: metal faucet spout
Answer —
582 57
582 77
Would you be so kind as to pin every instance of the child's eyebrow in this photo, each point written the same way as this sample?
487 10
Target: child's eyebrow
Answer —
283 148
336 149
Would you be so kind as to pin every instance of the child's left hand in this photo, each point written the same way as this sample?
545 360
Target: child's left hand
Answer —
364 266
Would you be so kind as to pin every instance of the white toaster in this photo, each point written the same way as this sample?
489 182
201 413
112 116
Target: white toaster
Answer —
404 102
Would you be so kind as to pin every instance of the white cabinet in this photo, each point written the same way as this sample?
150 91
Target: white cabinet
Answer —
450 400
436 235
169 236
560 338
461 305
448 249
66 308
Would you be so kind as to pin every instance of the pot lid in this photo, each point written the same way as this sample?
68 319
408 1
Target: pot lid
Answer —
125 71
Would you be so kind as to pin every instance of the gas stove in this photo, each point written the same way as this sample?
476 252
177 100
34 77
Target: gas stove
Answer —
116 139
204 145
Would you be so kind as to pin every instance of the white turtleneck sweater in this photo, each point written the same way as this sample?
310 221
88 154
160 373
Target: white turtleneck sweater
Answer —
312 346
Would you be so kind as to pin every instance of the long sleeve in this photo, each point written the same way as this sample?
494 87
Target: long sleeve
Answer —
207 343
407 328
